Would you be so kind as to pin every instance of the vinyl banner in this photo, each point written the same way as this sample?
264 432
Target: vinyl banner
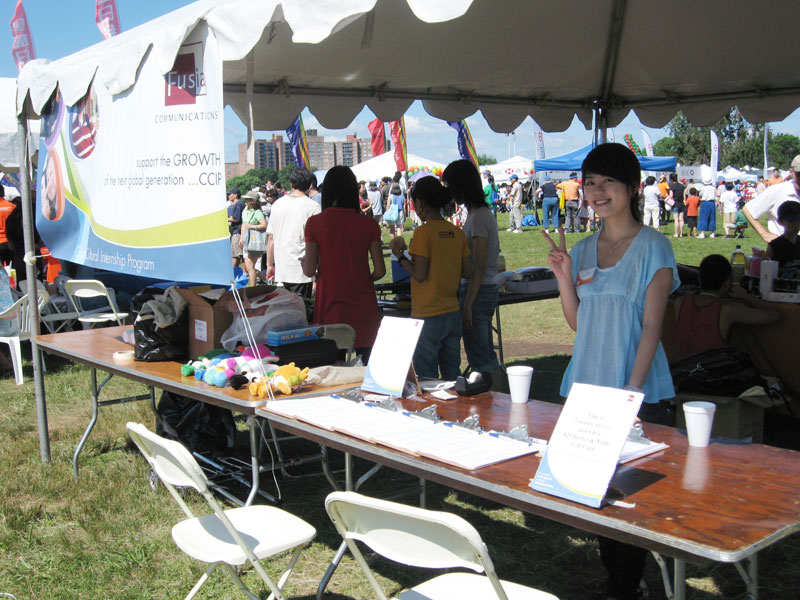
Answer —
135 183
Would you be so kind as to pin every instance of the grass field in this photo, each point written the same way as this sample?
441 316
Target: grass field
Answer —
107 534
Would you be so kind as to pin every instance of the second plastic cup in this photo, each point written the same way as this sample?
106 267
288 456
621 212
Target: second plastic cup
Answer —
699 420
519 382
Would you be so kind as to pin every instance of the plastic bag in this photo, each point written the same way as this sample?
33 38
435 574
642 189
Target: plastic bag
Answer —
161 328
276 310
198 426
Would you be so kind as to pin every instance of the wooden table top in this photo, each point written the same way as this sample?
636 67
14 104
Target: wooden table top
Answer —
96 347
720 503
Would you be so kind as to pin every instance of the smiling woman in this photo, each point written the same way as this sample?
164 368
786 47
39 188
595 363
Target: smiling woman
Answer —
614 287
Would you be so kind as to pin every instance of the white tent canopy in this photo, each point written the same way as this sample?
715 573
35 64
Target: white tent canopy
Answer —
502 171
383 165
9 143
335 57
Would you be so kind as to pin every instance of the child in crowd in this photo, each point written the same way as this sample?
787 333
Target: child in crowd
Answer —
786 248
692 211
614 287
439 258
735 228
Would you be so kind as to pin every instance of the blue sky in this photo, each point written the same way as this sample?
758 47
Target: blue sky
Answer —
61 27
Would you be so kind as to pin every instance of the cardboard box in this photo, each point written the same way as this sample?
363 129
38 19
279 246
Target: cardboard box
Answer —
211 313
735 418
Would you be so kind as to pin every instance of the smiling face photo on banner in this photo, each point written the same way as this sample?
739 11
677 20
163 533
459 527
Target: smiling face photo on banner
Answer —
84 123
52 188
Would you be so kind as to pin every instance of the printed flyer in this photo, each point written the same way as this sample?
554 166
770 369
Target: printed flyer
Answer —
135 183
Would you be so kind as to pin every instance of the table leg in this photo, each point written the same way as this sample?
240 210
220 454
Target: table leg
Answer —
252 425
679 579
499 331
750 576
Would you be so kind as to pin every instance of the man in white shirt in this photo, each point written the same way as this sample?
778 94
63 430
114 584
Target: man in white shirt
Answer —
286 239
515 217
707 219
768 203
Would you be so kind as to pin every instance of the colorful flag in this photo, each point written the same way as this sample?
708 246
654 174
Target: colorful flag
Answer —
538 135
466 146
22 49
299 143
398 131
714 155
648 145
378 132
107 18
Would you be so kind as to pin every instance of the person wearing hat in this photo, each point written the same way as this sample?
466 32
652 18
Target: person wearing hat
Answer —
515 216
786 247
769 202
235 210
572 196
253 220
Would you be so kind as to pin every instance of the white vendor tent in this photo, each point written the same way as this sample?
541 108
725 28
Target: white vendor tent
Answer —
502 171
337 56
383 165
9 127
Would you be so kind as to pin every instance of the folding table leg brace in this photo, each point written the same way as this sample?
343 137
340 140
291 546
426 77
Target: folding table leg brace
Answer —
96 404
749 574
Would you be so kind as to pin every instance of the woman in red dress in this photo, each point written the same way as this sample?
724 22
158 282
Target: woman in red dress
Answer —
340 241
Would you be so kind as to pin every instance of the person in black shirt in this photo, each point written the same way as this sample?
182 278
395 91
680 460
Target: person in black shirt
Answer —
786 248
678 207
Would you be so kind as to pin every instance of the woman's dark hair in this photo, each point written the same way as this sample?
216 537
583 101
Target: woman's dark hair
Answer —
396 190
618 162
340 189
728 186
715 270
464 182
650 180
429 191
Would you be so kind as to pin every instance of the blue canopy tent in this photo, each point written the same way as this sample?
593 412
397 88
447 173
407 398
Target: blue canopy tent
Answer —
572 161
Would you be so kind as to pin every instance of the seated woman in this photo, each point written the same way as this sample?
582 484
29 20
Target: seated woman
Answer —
339 244
704 321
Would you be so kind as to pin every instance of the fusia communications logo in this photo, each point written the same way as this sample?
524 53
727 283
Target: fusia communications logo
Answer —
186 81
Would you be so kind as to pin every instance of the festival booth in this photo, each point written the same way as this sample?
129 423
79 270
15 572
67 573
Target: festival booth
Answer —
145 191
516 165
572 161
383 165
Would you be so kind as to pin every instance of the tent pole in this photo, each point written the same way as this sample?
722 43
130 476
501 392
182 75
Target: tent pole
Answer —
30 272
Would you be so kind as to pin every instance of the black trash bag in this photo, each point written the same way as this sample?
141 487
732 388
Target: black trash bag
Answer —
161 328
199 426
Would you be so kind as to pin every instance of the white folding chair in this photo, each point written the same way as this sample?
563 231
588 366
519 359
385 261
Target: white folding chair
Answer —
19 311
224 537
53 317
80 290
422 538
344 335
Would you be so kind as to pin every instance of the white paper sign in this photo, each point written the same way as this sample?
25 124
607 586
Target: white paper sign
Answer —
586 443
391 356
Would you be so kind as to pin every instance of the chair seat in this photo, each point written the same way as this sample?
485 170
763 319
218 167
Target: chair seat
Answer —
469 586
270 531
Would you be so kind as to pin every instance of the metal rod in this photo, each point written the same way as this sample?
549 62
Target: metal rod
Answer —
30 274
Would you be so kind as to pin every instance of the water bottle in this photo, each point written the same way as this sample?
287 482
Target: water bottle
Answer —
738 261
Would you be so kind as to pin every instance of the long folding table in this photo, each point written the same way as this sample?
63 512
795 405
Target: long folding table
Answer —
722 503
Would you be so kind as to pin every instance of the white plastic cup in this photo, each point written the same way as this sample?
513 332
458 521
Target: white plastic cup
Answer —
519 382
699 419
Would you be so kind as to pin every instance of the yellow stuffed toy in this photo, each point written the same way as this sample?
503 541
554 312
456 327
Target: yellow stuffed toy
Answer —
285 379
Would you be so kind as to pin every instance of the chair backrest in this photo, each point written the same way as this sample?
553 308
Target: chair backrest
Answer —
344 336
409 535
22 310
78 289
175 466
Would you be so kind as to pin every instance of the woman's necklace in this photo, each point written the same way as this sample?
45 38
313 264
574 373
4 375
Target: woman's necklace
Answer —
616 245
